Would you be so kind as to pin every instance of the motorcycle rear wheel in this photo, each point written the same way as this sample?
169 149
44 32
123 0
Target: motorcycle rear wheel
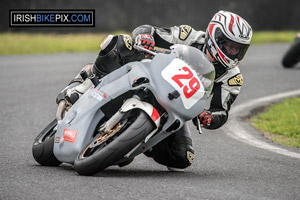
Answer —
106 150
42 148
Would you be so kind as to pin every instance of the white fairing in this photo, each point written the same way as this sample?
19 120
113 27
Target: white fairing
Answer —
164 74
185 80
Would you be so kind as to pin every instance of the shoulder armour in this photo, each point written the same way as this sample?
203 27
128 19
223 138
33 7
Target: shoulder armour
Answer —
184 32
236 80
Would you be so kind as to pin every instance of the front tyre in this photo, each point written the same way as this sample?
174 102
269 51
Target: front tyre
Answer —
42 148
107 149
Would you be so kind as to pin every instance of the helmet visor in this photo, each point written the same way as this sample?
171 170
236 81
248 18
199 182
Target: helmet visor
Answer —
233 50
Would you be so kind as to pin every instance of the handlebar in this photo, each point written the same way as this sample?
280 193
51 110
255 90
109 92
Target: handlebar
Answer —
154 53
144 49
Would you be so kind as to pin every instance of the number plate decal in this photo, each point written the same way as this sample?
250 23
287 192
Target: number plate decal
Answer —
185 80
69 135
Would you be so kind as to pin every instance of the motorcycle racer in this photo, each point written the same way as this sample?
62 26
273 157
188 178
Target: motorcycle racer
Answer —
225 43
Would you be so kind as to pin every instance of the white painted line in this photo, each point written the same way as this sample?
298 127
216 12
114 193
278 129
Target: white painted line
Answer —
237 130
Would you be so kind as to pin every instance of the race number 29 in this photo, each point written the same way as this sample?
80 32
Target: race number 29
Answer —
185 80
193 84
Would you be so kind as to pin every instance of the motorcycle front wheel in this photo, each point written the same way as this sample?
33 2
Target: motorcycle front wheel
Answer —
106 149
42 148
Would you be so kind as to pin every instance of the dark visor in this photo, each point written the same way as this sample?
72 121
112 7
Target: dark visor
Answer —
221 38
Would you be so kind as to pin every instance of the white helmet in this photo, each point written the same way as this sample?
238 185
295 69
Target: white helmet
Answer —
228 37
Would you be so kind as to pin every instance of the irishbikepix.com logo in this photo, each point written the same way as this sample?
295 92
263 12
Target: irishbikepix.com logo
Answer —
52 18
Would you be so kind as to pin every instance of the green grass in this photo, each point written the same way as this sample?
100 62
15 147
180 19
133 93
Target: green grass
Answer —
31 43
281 122
26 43
264 37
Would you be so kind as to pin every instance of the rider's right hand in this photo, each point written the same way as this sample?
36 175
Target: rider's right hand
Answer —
204 119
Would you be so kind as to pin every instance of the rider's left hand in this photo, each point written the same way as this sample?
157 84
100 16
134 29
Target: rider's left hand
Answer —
146 41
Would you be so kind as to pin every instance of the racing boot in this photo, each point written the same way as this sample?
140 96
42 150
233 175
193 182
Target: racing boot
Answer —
73 94
76 87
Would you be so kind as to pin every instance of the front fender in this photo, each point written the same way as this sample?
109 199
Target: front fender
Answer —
134 103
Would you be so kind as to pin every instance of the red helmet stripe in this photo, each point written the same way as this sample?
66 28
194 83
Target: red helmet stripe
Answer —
210 28
222 55
217 15
231 24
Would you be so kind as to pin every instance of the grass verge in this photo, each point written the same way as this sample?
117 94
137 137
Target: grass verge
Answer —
263 37
32 43
281 122
27 43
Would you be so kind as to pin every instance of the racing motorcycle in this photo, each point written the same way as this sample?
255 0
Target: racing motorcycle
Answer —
292 56
128 111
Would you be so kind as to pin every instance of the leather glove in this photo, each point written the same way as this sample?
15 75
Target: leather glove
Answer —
204 118
146 41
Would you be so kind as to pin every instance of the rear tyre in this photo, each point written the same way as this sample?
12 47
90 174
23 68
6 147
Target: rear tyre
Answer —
292 56
106 150
42 148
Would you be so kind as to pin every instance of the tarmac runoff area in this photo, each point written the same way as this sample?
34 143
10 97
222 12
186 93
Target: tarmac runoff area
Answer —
239 128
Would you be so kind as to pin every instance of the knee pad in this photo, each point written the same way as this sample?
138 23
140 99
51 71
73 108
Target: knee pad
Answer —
115 52
184 156
107 44
181 156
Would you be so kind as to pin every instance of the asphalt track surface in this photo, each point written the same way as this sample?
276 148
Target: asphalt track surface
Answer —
224 167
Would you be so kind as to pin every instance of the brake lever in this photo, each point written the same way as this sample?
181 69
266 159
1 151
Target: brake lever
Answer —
144 49
199 125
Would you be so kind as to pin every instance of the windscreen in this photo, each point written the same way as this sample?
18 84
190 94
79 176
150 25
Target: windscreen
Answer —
199 62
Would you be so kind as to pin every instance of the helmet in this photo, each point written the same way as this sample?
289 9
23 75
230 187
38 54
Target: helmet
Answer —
228 37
